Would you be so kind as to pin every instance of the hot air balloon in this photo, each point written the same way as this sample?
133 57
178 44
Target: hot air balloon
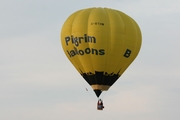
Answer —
101 43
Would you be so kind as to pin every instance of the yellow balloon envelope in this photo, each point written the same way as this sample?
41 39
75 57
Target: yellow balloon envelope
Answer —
101 43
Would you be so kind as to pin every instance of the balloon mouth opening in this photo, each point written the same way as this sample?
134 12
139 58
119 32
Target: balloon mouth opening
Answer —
98 92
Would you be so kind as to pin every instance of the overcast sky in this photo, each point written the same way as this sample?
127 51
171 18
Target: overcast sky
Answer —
37 82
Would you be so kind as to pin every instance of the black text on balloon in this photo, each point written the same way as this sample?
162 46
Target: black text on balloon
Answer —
92 51
78 40
127 53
